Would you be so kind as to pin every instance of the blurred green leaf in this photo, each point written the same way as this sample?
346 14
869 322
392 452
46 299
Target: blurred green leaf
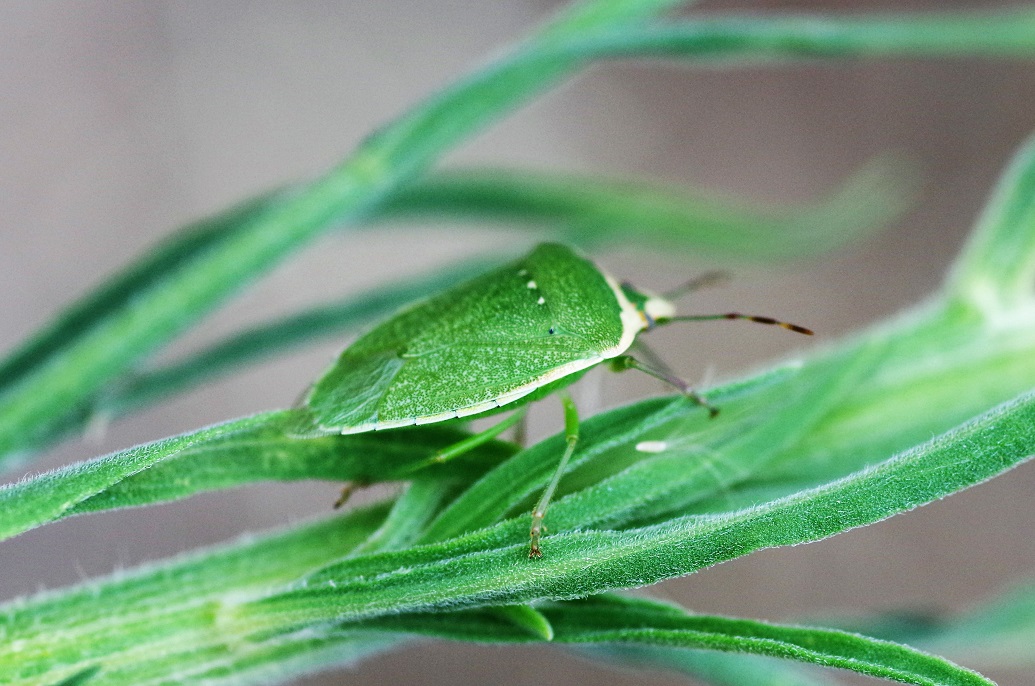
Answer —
996 271
154 384
998 632
51 380
583 209
263 447
710 667
836 440
488 566
739 40
628 621
593 211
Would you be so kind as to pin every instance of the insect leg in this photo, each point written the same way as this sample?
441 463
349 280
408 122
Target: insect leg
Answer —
571 434
347 490
628 362
445 454
471 442
521 430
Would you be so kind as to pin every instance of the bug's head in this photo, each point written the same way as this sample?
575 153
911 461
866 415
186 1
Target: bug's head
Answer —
650 306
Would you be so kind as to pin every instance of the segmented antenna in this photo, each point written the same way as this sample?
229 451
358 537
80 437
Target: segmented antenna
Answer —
698 282
736 315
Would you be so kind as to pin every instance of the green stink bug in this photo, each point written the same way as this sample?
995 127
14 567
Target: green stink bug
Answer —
498 341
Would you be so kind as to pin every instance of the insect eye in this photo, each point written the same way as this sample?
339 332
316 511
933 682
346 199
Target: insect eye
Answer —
551 329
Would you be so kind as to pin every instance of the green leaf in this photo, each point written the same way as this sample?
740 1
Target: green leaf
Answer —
997 632
593 211
628 621
744 40
423 498
488 567
80 677
160 613
42 400
258 448
585 209
710 667
250 345
995 274
53 378
527 619
118 291
656 490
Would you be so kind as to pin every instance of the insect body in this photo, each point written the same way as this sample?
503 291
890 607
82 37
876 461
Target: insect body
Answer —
487 343
500 340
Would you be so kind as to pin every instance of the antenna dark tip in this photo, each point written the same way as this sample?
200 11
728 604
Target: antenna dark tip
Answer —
774 322
737 315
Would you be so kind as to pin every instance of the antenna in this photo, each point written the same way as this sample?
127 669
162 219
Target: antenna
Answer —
735 315
698 282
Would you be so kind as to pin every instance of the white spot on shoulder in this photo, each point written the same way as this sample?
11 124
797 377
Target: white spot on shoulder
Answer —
532 284
541 300
651 446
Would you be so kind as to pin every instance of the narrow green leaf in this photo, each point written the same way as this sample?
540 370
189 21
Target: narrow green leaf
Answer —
527 619
160 624
997 632
248 566
419 503
42 401
995 273
743 40
271 662
936 370
119 290
625 621
580 563
48 390
710 667
267 339
592 210
50 496
257 448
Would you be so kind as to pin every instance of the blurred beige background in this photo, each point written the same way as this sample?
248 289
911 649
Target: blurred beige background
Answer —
120 121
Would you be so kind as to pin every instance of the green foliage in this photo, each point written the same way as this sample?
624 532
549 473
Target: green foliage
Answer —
836 440
997 632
